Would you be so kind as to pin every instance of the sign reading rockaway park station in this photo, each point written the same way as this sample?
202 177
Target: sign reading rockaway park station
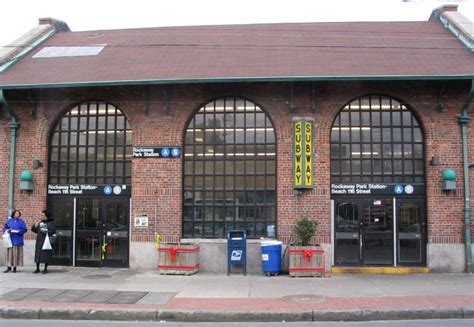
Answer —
400 189
303 153
89 189
156 152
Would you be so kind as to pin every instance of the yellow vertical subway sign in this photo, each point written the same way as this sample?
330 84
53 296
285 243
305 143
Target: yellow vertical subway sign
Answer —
303 153
308 154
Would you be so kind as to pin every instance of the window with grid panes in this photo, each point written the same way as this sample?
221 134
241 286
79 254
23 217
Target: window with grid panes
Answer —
91 143
229 170
376 139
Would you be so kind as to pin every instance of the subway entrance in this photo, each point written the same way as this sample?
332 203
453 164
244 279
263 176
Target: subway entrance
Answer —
379 231
92 230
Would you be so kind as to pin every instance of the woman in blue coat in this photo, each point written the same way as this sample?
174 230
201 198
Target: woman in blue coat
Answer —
16 227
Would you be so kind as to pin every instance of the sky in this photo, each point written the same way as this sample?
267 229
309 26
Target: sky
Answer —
19 16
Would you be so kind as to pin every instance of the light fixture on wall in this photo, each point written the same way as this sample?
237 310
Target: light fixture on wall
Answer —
37 164
449 180
26 181
434 161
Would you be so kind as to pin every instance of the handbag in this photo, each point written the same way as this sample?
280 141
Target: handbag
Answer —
47 244
53 238
7 241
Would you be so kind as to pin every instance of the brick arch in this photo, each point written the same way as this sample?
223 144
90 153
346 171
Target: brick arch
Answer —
90 149
229 169
377 145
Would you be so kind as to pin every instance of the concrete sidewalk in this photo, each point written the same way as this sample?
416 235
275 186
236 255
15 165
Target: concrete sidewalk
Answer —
125 294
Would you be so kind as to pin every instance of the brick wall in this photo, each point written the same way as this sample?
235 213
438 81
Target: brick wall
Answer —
156 183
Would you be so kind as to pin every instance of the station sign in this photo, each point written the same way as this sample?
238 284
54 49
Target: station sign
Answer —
303 153
89 189
156 152
401 189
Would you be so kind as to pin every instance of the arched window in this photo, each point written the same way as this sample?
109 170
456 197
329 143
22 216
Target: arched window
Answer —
91 143
376 139
229 171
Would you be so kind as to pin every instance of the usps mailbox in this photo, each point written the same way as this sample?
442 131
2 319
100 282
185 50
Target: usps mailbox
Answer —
236 250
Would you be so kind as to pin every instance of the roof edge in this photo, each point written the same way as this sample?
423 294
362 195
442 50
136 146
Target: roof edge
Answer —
23 45
456 23
239 80
17 49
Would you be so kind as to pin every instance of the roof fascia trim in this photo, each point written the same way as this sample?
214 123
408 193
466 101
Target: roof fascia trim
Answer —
25 51
447 24
239 80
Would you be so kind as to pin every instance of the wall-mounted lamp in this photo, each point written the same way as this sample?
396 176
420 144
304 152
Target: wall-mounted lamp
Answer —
298 192
26 181
449 183
471 165
434 161
37 164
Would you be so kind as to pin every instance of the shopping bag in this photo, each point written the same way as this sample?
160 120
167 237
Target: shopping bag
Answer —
7 241
47 244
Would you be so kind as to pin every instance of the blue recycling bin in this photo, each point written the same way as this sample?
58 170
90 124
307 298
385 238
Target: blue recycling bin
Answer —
271 257
236 250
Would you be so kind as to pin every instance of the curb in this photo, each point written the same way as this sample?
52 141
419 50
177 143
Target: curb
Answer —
230 316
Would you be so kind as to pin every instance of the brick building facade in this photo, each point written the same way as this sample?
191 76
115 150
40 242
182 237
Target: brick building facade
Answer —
160 113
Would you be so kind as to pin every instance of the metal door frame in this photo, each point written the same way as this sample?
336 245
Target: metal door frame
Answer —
102 207
421 202
396 202
365 203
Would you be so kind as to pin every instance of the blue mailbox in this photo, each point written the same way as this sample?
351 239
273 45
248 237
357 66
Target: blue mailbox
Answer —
236 249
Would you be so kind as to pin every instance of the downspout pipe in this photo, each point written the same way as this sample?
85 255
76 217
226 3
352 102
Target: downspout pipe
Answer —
14 126
464 120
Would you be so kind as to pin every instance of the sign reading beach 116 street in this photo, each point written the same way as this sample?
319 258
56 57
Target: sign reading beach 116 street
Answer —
303 153
89 189
377 189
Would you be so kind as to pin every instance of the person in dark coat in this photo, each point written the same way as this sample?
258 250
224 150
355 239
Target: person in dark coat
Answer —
16 227
42 228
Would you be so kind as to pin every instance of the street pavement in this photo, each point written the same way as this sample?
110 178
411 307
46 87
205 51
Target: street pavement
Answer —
124 294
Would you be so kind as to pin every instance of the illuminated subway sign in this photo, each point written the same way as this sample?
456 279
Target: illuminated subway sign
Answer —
303 153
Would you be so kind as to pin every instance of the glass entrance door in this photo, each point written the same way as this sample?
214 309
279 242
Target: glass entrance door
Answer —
62 210
363 231
347 232
377 231
411 232
102 231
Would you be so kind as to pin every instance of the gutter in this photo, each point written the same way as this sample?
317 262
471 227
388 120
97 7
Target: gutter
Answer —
14 126
464 120
244 79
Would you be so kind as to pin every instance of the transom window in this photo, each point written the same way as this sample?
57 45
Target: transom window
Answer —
91 143
229 171
377 139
